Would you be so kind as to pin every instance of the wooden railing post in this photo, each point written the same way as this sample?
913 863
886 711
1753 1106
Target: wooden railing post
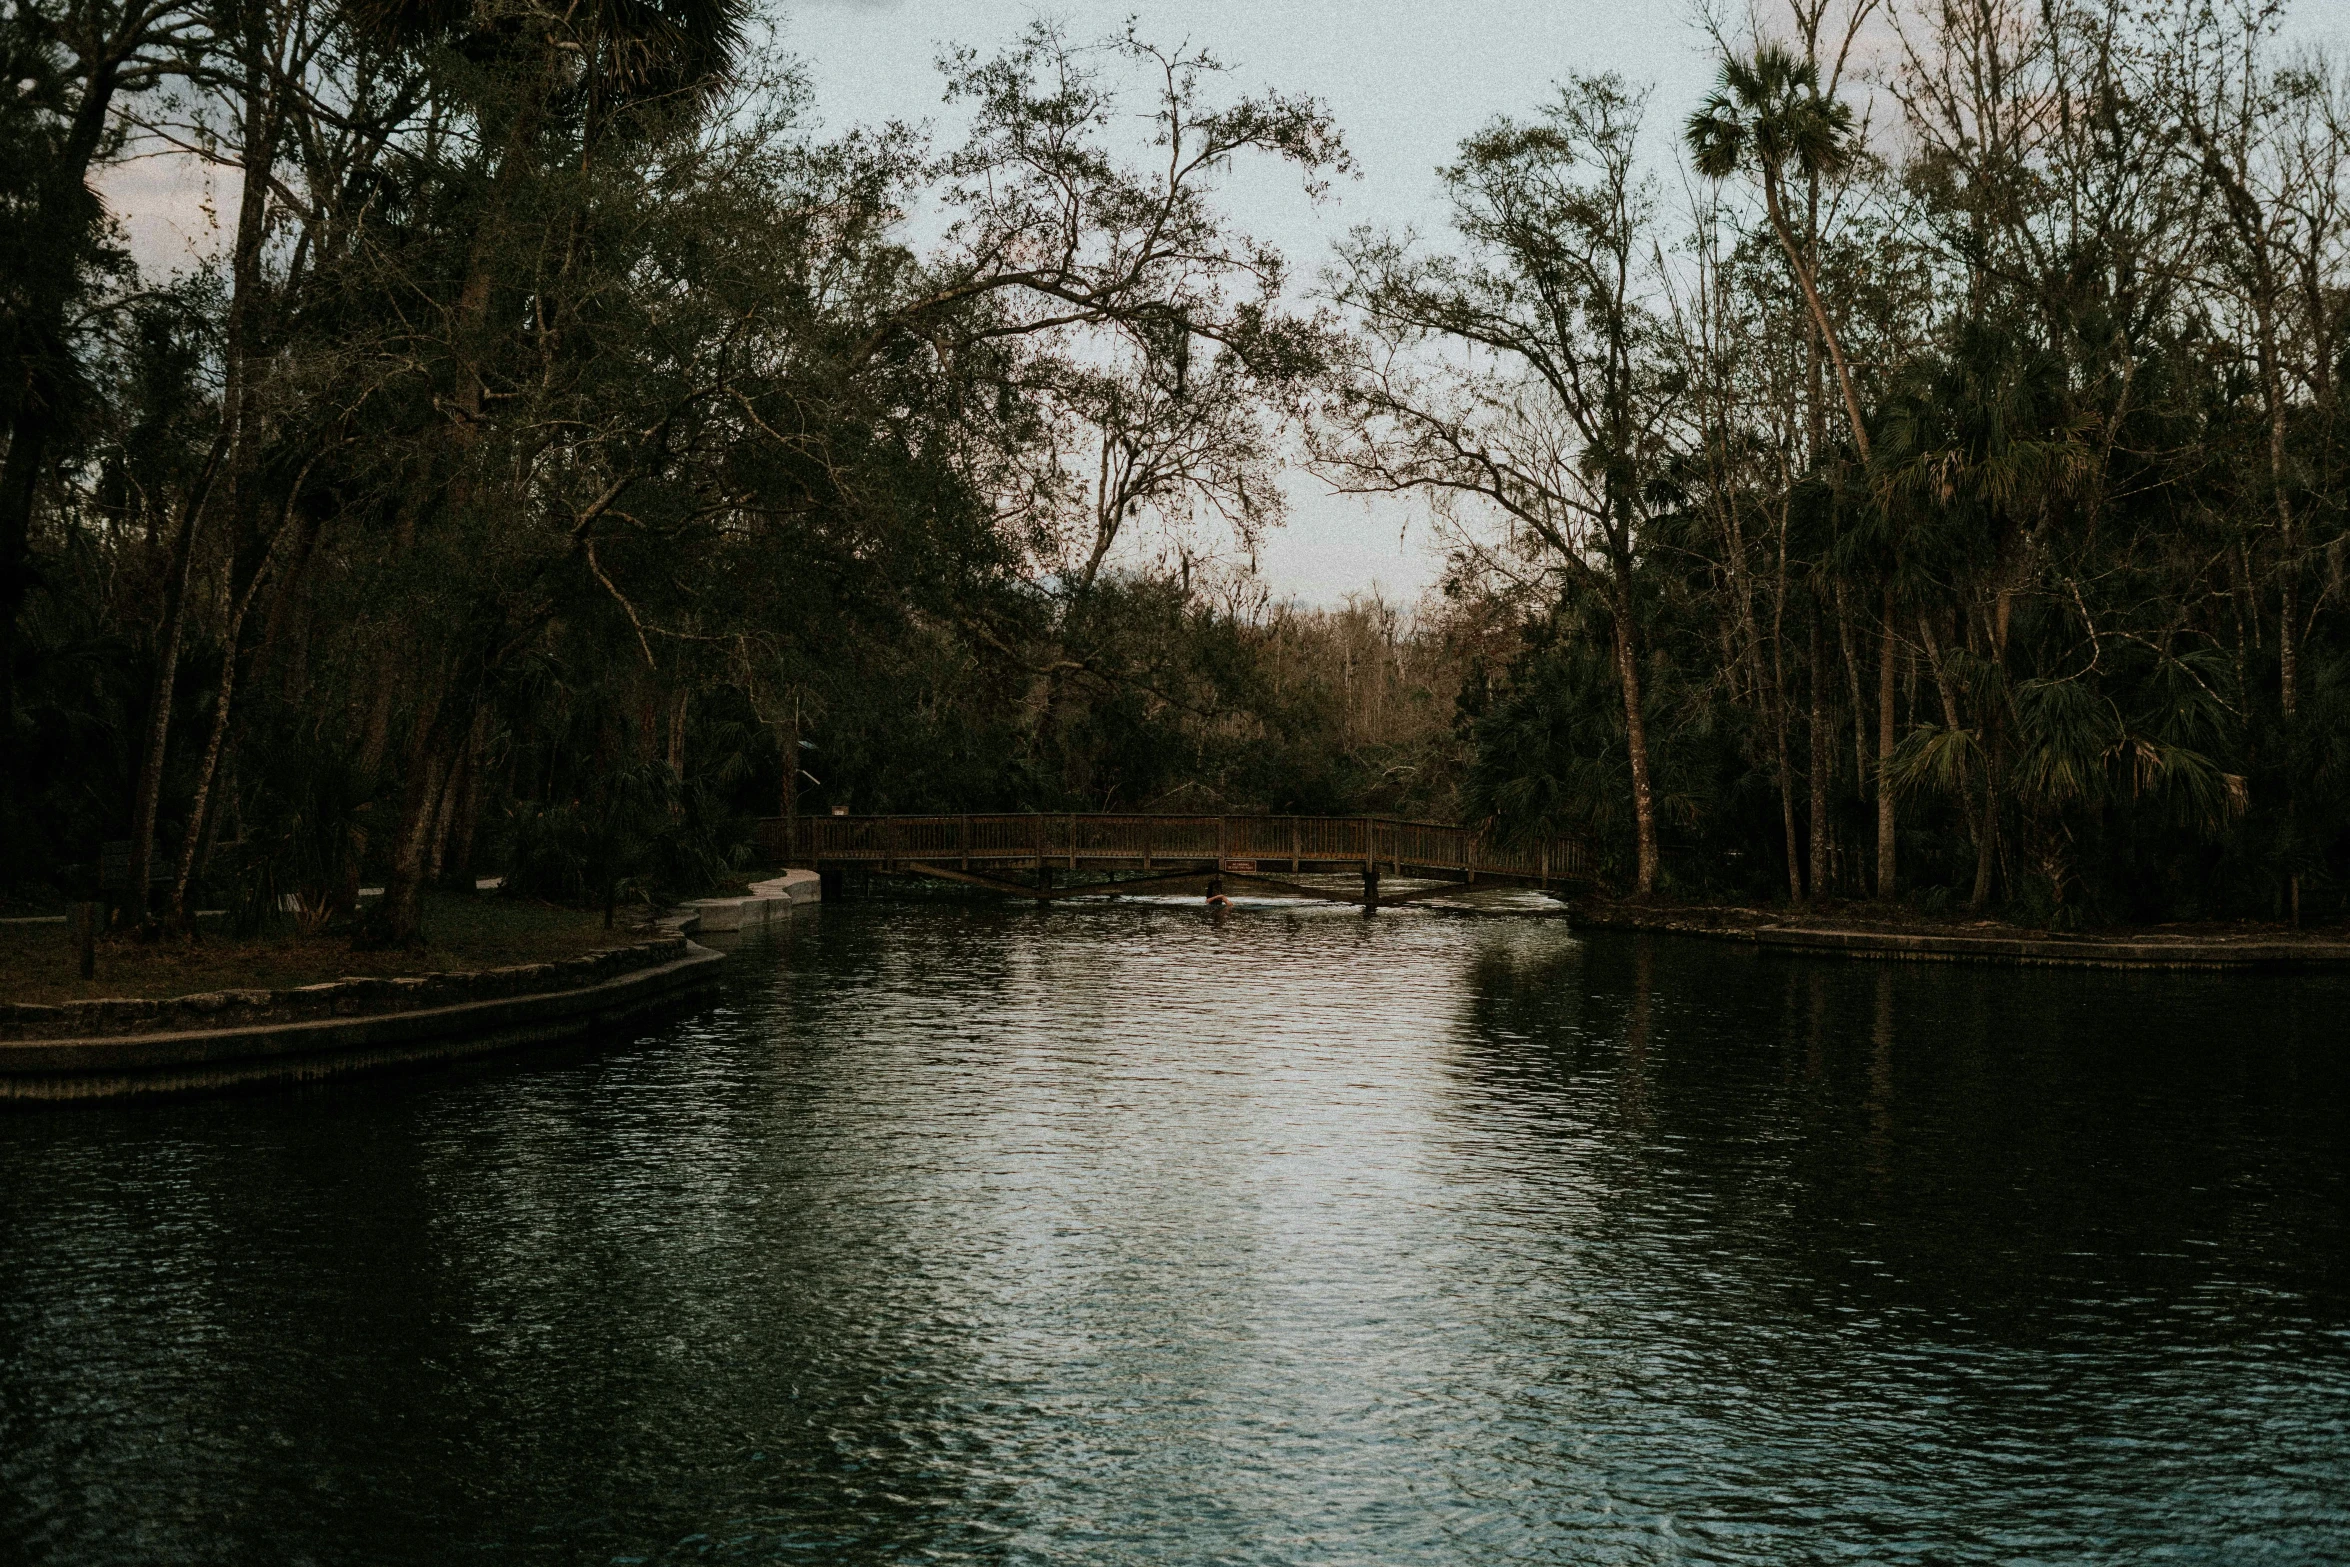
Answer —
1296 840
963 841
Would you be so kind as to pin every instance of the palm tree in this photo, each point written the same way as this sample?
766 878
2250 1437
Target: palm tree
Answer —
629 49
1977 449
594 59
1768 113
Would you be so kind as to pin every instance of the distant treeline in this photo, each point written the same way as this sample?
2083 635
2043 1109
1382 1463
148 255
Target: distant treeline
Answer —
1930 487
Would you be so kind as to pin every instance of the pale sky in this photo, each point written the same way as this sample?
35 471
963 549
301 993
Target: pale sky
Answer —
1405 82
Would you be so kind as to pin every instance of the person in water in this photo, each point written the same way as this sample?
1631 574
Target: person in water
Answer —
1216 898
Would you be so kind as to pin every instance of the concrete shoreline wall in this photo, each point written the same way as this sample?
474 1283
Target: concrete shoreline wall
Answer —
185 1061
230 1009
114 1049
2023 951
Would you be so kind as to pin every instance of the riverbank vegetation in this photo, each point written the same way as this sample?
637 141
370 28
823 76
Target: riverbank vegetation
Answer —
1923 482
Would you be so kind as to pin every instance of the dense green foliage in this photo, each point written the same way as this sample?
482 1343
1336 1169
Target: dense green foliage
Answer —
571 456
1964 525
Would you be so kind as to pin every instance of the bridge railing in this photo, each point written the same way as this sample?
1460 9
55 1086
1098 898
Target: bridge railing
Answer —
1264 842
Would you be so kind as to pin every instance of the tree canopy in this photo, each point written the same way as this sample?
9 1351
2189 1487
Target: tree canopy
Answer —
1931 487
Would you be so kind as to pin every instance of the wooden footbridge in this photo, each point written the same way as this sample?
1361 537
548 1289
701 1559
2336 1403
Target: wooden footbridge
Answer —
1042 856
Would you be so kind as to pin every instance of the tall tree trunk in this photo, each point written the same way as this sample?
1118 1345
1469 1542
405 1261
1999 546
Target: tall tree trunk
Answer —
1779 704
677 713
1768 680
471 327
284 624
399 920
249 547
1636 742
1822 760
1987 844
235 657
200 806
2288 588
374 741
445 729
1863 775
148 803
457 869
1787 809
2288 582
1819 314
1886 676
1949 695
443 819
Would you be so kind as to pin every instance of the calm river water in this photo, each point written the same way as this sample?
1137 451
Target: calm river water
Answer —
1124 1235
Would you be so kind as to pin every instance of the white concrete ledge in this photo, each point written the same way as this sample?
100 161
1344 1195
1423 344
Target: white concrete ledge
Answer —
768 901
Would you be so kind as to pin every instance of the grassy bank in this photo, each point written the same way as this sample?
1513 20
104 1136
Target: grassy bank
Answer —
463 932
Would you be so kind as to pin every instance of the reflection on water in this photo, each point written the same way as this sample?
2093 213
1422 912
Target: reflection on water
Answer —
1125 1235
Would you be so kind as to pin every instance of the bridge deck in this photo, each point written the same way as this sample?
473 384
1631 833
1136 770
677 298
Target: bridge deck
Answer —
1163 847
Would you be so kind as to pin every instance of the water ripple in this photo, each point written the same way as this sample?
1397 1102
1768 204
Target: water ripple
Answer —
1109 1234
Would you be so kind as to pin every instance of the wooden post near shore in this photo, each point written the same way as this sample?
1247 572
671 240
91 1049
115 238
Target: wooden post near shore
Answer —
85 937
